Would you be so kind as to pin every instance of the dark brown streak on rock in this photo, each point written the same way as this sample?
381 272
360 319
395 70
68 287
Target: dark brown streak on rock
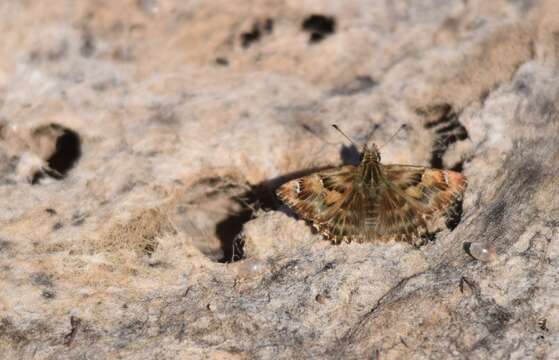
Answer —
464 280
75 323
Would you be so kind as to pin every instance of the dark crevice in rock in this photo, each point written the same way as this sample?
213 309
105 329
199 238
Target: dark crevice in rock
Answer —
258 29
229 233
213 232
448 130
435 114
75 323
58 146
458 167
466 247
319 26
229 230
247 38
40 175
68 151
454 215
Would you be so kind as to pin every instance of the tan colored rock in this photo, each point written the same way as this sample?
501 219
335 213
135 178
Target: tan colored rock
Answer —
188 115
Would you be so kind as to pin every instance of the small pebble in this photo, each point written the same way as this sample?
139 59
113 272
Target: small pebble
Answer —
482 251
250 268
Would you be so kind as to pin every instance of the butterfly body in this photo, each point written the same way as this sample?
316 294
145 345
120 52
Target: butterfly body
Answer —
375 202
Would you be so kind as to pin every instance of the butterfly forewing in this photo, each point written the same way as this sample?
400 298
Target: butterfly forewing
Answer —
319 196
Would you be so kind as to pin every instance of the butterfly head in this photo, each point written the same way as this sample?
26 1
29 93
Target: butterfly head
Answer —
370 155
370 170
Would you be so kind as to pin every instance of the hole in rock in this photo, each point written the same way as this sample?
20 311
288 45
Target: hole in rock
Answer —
58 146
213 211
67 152
229 230
247 38
319 26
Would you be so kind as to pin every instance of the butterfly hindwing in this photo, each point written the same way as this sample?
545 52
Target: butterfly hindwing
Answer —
350 221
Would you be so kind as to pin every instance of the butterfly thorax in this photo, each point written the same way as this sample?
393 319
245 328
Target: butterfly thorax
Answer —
370 170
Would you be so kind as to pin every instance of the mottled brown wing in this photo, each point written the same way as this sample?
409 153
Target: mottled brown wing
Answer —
432 192
319 196
433 189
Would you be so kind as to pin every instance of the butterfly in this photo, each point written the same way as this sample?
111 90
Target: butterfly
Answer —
375 202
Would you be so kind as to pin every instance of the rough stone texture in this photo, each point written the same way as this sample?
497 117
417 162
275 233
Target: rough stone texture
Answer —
175 121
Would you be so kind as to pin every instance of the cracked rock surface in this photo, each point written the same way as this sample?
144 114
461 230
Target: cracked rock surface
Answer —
141 142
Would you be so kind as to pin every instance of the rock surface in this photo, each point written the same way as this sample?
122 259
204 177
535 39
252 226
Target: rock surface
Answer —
140 143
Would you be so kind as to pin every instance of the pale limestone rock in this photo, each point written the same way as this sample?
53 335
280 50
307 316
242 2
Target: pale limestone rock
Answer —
187 115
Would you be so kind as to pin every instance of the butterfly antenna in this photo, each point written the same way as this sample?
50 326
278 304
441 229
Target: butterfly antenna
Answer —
344 135
403 126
